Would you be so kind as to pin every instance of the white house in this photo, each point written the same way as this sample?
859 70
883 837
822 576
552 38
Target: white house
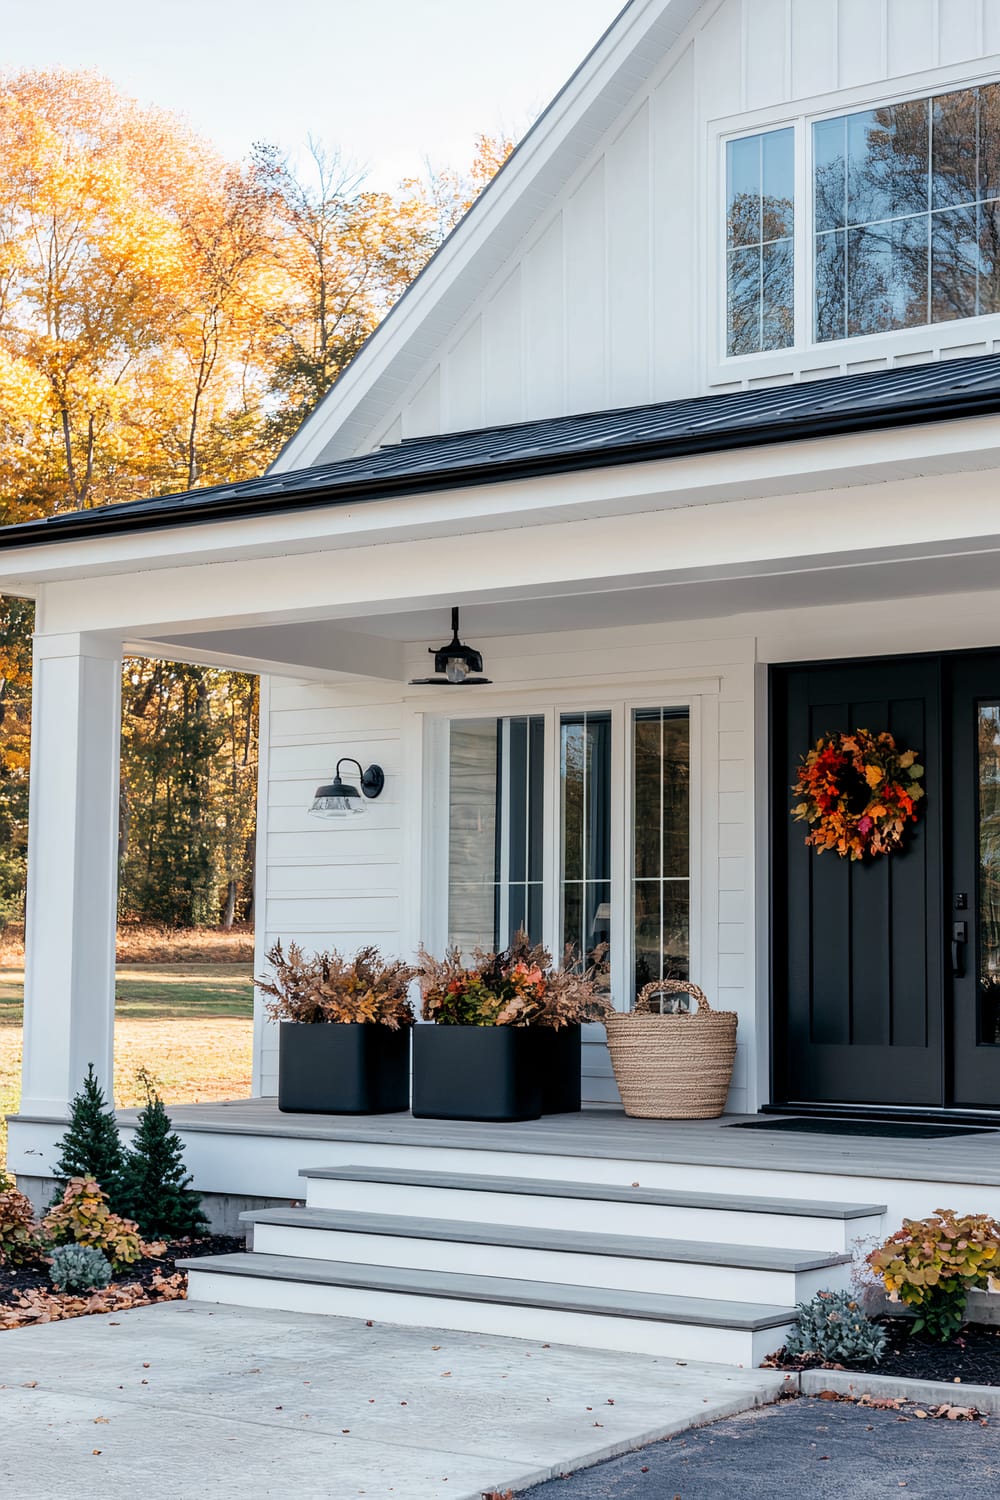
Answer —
695 418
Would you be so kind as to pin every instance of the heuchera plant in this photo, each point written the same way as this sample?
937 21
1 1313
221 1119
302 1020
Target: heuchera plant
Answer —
517 987
20 1240
932 1265
84 1216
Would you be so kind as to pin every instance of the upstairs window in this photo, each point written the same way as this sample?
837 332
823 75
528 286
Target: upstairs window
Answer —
760 248
906 205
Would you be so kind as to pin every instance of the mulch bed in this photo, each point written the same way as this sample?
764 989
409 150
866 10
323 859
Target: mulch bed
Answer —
27 1295
972 1359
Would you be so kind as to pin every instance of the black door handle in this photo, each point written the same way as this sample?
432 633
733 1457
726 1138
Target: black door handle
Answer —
959 938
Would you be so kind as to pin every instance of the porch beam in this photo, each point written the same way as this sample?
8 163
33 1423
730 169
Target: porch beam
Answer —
69 998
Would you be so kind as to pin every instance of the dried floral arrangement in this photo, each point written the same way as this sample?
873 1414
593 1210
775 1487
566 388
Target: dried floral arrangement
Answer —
329 987
519 986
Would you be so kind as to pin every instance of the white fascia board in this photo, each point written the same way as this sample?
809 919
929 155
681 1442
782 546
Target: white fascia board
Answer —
635 44
774 534
820 464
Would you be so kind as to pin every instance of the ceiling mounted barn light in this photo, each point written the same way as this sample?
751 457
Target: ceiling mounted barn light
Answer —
456 665
339 799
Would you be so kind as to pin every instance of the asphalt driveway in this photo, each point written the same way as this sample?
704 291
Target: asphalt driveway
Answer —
803 1450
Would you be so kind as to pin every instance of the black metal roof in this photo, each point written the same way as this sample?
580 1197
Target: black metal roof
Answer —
941 391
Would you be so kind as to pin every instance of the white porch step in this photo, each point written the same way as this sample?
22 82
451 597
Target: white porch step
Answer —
592 1207
741 1273
590 1317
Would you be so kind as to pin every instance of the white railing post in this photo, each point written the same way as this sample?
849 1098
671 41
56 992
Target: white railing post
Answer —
69 998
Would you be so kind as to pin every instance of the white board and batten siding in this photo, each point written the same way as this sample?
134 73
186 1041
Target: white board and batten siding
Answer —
346 884
613 299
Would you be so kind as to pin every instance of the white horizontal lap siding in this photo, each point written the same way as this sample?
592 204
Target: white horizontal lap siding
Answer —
327 884
347 883
607 300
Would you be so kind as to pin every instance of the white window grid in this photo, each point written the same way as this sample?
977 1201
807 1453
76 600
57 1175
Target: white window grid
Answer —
434 903
801 116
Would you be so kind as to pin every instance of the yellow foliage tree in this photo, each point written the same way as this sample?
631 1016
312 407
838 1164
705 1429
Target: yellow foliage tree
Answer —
166 319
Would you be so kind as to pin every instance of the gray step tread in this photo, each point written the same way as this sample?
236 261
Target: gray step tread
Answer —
523 1237
600 1191
653 1306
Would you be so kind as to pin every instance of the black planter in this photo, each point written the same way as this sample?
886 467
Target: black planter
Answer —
558 1057
475 1073
331 1069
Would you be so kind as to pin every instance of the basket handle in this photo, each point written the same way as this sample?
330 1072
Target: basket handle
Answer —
671 987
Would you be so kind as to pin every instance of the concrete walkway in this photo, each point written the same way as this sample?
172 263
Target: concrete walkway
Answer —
189 1399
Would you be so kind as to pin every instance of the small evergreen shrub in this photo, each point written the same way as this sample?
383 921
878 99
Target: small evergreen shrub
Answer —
933 1264
834 1327
84 1217
156 1190
20 1238
79 1268
91 1146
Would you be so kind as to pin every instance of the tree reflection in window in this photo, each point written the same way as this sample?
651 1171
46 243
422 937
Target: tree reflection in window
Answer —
907 214
760 225
661 844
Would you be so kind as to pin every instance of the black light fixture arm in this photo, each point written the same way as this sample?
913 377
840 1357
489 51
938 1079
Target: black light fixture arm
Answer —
372 781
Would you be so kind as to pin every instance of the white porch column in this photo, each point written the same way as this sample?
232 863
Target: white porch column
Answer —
69 998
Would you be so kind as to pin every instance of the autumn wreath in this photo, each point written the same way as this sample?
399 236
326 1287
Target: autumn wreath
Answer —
858 791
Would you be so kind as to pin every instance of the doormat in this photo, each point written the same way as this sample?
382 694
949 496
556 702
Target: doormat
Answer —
891 1129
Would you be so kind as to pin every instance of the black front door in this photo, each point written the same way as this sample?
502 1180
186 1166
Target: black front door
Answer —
973 890
887 971
859 1003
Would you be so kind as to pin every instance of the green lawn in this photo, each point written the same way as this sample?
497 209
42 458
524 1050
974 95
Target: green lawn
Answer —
189 1025
157 992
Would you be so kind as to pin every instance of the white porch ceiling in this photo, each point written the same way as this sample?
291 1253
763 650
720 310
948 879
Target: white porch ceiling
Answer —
375 646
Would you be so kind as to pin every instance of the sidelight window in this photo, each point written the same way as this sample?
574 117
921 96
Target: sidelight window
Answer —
495 799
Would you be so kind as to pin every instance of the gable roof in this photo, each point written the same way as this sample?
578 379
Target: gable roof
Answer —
367 393
917 394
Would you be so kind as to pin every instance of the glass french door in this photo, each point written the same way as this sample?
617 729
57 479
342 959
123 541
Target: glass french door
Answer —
608 876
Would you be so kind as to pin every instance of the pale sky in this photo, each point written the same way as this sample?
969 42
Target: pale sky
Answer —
389 82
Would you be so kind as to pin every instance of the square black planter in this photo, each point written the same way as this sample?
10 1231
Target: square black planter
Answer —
475 1073
559 1056
332 1069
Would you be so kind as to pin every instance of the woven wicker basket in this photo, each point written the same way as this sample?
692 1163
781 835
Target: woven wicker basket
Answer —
675 1067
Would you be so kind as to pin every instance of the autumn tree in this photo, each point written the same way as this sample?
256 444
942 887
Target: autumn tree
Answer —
16 620
342 254
166 320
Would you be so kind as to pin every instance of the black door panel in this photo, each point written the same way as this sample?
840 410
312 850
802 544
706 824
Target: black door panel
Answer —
857 958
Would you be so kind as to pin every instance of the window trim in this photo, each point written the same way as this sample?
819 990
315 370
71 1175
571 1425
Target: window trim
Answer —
805 353
663 694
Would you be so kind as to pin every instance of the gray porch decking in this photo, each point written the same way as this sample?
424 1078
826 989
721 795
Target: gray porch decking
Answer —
607 1133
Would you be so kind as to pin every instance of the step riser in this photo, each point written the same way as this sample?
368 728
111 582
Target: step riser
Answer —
564 1268
722 1226
585 1330
679 1176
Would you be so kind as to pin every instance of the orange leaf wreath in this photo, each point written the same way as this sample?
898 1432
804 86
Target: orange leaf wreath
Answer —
857 792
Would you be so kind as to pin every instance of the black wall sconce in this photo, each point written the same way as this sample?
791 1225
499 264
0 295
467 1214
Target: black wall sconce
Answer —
457 665
339 799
